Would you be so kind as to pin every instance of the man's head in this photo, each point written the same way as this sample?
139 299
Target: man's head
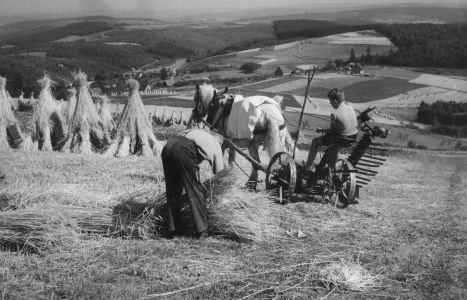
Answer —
336 97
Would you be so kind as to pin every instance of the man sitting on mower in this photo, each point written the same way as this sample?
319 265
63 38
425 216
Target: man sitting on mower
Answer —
342 132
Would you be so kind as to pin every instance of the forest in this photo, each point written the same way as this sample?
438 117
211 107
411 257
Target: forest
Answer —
425 45
447 118
418 44
286 29
46 36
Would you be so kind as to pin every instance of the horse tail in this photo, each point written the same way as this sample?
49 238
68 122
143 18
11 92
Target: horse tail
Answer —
273 142
288 140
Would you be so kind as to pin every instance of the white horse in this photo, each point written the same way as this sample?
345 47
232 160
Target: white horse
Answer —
269 128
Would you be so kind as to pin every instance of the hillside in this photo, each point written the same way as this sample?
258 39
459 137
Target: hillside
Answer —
397 13
408 231
312 28
108 46
46 36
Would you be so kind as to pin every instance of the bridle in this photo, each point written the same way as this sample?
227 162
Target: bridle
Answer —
200 111
199 107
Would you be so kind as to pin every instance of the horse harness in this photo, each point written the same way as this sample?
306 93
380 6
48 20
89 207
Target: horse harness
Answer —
214 105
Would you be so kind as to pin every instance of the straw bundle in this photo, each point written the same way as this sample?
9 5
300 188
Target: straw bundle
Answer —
233 212
106 117
71 97
34 230
40 228
9 127
134 131
169 121
25 129
6 114
349 276
182 120
157 118
28 144
14 103
85 130
25 104
42 126
48 124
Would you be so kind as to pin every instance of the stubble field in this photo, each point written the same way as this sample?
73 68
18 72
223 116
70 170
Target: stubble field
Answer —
408 231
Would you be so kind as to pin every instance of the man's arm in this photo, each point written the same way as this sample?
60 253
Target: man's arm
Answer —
331 127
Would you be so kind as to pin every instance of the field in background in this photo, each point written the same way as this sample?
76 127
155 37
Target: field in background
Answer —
308 51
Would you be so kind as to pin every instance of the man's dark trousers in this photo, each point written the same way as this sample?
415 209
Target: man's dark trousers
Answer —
180 158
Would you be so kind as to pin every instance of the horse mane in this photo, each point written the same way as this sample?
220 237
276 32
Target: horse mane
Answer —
206 93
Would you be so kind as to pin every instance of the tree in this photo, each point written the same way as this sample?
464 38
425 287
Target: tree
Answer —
330 65
99 77
164 73
368 55
250 67
339 63
352 55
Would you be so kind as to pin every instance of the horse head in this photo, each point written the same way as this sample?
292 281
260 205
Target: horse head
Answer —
207 100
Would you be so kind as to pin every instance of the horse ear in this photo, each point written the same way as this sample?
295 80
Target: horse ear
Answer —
226 90
197 87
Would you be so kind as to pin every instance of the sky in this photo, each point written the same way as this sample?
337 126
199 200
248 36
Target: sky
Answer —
179 8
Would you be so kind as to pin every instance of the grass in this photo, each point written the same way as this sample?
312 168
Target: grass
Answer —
270 83
403 113
359 89
408 231
383 88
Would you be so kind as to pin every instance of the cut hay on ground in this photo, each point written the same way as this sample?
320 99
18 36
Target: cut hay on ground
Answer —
233 212
41 220
134 131
42 227
349 276
86 133
34 230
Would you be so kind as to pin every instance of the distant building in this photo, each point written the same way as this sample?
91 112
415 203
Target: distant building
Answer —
356 69
278 72
145 88
303 69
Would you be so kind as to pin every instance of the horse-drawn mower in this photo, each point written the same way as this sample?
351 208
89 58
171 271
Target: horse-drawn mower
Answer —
338 183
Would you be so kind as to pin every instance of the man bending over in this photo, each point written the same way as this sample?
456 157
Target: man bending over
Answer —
181 158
